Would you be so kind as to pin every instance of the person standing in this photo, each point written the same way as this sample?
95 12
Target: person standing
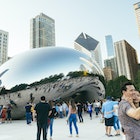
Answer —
28 113
72 118
107 112
116 119
80 111
52 116
89 109
42 110
128 114
9 117
97 107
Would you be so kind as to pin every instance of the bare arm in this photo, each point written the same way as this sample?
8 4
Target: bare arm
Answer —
134 113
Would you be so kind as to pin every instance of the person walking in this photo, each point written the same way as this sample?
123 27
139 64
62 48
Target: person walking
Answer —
72 118
42 111
128 114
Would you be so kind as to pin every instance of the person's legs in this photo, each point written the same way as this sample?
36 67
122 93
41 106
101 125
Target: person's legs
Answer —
70 124
75 125
44 126
117 125
81 117
38 131
51 126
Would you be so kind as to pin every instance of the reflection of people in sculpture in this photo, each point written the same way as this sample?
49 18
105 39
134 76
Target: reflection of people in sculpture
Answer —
13 103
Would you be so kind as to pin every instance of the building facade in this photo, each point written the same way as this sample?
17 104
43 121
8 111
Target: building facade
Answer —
137 14
90 46
112 64
108 73
42 31
4 37
127 61
109 45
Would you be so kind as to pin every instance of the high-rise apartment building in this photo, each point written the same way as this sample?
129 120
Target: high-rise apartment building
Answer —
4 36
137 14
42 31
109 45
90 46
127 61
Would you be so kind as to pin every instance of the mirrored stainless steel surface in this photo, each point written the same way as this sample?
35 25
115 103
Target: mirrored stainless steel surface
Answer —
49 71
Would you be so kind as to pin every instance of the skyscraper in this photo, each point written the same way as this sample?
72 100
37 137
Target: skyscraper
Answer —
4 36
90 46
111 63
137 14
109 45
42 31
127 61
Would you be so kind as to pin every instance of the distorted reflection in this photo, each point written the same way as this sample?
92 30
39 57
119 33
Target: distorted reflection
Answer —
58 73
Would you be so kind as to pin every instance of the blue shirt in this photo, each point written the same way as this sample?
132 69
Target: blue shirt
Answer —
107 107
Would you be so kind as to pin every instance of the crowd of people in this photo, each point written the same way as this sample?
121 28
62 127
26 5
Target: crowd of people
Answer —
121 114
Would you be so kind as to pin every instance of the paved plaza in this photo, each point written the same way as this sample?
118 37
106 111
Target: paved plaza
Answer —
89 130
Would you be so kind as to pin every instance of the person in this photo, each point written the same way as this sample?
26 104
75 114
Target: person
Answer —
137 99
1 106
28 113
97 107
52 115
65 108
89 109
128 114
107 113
116 119
41 112
80 111
9 117
72 118
3 114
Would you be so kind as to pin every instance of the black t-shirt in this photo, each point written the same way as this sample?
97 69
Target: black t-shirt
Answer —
42 110
28 108
53 113
80 108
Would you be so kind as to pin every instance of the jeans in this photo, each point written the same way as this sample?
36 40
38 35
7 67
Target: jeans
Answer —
28 117
73 119
116 123
39 128
51 126
80 116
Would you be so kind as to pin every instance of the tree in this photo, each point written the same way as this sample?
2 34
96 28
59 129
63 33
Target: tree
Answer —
113 86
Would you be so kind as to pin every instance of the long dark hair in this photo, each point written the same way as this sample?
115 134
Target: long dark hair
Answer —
72 103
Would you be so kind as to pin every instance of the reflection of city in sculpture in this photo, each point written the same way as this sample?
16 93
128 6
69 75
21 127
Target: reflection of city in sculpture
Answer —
56 72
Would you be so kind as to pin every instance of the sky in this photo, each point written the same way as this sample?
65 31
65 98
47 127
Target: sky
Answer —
97 18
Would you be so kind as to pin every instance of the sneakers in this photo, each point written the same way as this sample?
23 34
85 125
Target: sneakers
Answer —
70 135
77 135
110 135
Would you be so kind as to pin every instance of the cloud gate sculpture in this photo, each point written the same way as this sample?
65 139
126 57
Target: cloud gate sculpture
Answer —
58 73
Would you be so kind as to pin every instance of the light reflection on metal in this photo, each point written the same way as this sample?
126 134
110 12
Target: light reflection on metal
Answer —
33 68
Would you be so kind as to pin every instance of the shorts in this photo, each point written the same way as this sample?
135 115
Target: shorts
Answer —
109 121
